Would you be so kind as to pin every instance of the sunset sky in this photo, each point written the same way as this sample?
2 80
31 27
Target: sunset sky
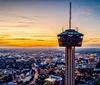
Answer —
36 23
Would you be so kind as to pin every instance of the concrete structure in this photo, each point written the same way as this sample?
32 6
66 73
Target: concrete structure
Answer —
70 39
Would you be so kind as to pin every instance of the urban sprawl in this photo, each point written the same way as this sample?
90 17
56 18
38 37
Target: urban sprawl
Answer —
46 66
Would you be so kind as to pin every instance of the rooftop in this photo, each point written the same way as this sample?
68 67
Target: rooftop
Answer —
70 32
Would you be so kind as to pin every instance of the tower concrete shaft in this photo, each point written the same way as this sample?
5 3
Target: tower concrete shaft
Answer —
69 65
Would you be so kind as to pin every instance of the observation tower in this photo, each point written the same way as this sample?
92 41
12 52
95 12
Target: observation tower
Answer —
70 39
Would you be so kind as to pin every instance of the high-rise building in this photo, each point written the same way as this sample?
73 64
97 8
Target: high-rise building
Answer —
91 58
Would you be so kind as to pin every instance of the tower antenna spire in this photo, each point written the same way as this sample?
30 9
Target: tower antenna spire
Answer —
70 16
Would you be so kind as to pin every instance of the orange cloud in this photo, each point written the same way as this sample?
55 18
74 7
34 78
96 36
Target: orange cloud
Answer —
91 42
23 42
40 41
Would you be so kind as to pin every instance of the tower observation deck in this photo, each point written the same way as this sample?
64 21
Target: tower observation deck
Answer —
70 39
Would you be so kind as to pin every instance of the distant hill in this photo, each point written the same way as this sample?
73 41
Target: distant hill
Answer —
87 50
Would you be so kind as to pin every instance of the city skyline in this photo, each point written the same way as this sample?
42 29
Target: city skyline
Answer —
36 23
